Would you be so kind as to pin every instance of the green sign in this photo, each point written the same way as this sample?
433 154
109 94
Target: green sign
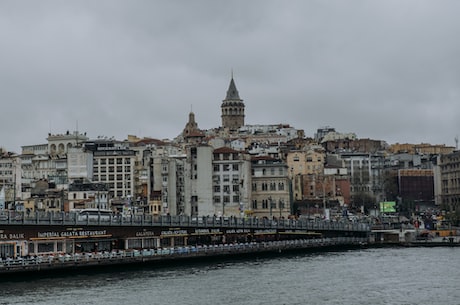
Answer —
387 206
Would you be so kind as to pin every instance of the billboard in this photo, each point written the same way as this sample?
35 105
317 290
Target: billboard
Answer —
387 207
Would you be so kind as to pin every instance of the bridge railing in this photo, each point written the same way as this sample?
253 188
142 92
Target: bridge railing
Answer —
191 250
63 218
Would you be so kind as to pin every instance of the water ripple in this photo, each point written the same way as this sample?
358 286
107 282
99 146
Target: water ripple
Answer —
375 276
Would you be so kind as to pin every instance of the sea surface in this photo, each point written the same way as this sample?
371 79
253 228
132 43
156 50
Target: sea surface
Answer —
368 276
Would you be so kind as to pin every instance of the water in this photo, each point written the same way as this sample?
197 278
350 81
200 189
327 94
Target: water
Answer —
371 276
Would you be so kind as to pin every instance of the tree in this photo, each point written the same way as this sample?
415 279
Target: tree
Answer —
364 199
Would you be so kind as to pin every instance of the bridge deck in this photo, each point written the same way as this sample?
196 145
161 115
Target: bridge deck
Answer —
70 219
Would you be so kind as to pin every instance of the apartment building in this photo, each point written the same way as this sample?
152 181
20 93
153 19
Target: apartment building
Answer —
365 172
10 179
230 179
113 165
270 195
84 194
304 163
449 178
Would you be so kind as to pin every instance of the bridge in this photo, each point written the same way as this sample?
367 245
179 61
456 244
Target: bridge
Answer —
48 241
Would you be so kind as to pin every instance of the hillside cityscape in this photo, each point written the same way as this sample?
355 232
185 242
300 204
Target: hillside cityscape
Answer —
236 169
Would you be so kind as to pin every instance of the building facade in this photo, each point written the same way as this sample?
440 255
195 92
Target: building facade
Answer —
113 165
270 187
449 177
231 177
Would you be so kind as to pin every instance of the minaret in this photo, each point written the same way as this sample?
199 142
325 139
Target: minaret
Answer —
232 108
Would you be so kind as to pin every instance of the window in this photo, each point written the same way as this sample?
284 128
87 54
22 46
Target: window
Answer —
216 188
254 205
216 167
264 204
235 167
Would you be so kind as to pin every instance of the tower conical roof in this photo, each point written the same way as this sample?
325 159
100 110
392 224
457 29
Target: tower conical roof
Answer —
232 93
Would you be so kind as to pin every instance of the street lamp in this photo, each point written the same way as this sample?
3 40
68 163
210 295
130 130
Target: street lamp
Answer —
281 206
226 191
271 205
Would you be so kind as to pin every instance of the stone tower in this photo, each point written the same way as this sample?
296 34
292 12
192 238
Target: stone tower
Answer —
232 109
191 133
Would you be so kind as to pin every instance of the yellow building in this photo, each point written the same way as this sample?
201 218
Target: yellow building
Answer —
303 163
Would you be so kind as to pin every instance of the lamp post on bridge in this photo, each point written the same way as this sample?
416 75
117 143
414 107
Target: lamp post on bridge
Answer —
270 200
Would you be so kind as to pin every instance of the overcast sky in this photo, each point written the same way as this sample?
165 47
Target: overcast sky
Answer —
385 70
